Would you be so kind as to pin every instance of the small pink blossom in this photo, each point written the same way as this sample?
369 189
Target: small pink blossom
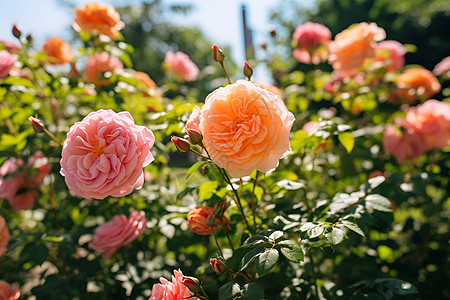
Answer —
174 290
19 183
180 66
118 232
442 67
98 64
7 61
311 39
8 292
391 53
194 120
104 155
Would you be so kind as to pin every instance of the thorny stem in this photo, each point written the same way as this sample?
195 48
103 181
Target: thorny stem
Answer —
215 239
226 233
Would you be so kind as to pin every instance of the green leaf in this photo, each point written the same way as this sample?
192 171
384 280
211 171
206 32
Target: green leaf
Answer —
251 256
298 141
397 286
347 140
378 202
207 189
38 253
335 236
229 291
275 235
266 261
195 167
252 291
292 251
353 227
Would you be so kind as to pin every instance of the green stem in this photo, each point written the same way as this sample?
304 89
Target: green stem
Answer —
225 70
217 243
226 233
199 154
52 136
253 199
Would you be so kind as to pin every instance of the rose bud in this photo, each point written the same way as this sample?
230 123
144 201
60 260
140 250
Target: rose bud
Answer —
192 283
16 32
29 38
38 126
211 220
182 145
216 265
273 31
220 208
218 54
248 71
195 137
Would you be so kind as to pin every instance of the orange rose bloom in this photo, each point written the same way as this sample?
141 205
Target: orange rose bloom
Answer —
245 127
58 51
100 63
197 220
7 292
416 84
153 89
4 236
98 18
353 46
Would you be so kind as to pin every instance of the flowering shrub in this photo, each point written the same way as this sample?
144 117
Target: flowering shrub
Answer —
321 186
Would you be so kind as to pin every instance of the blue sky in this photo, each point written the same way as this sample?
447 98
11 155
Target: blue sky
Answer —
220 20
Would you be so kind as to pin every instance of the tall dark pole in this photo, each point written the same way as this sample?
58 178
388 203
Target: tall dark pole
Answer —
248 37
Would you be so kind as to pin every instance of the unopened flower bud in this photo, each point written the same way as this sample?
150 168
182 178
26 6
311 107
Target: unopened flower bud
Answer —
211 220
182 145
273 32
195 137
220 208
218 54
216 265
192 283
16 32
248 71
38 126
29 38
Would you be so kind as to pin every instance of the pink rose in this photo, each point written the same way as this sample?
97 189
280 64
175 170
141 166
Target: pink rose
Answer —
194 120
311 39
11 47
174 290
100 63
4 238
391 53
118 232
104 154
402 145
245 127
7 292
353 46
180 66
430 120
442 67
7 61
18 184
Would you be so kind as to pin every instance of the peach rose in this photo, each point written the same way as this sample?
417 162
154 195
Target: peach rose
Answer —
271 88
98 18
7 292
104 154
4 237
19 185
416 84
311 39
98 64
180 66
402 145
245 127
153 89
118 232
197 220
430 120
58 51
391 54
194 121
174 290
442 67
7 61
353 46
